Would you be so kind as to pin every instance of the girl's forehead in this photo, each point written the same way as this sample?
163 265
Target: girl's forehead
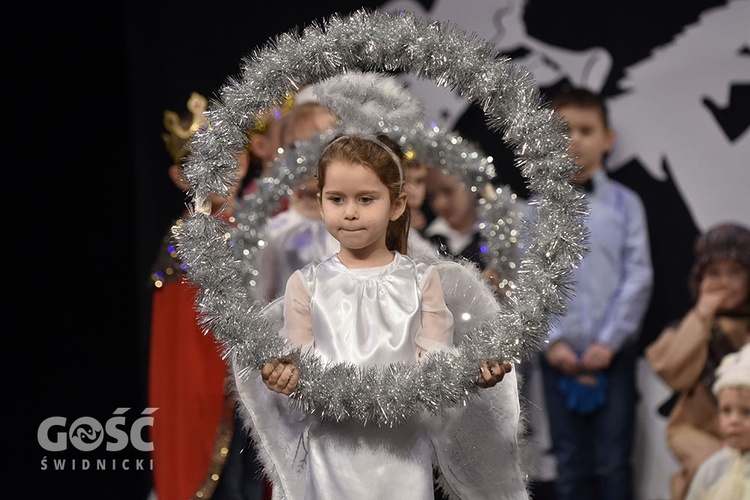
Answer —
347 168
351 176
346 164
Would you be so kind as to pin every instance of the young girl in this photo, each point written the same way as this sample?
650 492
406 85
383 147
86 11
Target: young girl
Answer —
372 305
726 473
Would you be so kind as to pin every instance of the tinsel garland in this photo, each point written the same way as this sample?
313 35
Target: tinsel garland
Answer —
553 239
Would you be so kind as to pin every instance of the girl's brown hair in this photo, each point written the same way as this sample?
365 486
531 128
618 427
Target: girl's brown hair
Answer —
370 154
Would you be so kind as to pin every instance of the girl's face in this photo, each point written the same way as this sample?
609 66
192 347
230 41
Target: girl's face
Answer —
734 417
730 277
356 208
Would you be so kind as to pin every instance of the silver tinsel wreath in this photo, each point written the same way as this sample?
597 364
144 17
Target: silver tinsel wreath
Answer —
553 239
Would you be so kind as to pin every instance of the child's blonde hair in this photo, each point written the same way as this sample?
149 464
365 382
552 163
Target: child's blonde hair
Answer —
386 162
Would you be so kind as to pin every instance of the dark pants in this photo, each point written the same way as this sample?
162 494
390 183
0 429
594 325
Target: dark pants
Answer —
593 451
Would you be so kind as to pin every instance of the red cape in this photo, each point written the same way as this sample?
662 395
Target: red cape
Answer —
187 382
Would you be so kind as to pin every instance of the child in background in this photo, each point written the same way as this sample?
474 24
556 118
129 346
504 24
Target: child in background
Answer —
686 353
476 221
455 228
303 122
415 185
264 143
296 236
454 231
415 173
726 473
588 368
363 204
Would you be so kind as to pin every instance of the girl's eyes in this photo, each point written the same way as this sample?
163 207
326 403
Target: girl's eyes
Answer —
363 199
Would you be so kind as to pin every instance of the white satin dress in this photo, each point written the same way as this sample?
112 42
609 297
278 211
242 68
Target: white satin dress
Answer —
374 317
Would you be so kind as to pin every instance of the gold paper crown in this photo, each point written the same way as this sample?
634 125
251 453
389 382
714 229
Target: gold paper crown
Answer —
179 132
177 136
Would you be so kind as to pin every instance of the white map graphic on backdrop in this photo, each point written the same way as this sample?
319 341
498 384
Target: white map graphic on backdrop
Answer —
661 118
501 23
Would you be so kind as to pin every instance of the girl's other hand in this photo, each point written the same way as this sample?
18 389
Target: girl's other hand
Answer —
280 376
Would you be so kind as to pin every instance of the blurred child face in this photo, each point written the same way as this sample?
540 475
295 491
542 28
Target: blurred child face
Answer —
305 199
590 140
450 199
304 130
734 417
356 207
729 277
416 184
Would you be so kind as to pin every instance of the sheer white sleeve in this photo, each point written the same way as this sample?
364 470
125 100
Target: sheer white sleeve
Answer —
436 332
297 315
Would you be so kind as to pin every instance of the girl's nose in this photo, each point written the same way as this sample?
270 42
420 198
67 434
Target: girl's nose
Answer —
351 212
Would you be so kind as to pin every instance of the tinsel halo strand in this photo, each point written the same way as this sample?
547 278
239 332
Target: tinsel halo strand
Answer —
553 240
